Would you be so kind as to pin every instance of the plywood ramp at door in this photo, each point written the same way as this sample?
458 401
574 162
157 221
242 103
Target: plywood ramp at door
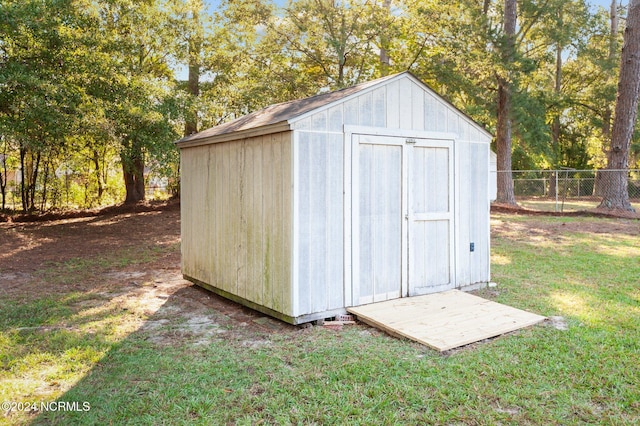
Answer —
445 320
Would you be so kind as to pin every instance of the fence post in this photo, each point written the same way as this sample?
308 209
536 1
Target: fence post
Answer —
578 195
555 172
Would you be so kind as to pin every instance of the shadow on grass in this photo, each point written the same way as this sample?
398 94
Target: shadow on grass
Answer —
183 358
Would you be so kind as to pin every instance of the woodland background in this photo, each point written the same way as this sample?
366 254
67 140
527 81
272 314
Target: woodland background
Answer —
93 93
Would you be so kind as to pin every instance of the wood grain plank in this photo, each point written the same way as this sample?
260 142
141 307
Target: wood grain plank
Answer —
445 320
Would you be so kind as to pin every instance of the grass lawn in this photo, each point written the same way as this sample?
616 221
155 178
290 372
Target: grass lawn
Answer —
136 365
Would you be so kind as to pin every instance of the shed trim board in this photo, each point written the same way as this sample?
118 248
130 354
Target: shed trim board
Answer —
241 134
295 222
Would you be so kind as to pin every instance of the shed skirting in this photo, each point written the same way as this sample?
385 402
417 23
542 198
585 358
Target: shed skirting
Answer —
279 315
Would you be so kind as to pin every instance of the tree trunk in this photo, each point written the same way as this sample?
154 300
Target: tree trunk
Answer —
613 49
96 163
23 179
133 173
193 83
503 138
4 179
3 189
341 53
555 124
503 134
615 194
606 114
613 34
485 7
385 61
36 167
193 87
29 165
45 184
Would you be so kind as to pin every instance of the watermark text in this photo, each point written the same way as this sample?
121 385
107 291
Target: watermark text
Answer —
78 406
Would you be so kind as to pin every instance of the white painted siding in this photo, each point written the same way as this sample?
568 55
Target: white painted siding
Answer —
404 105
236 218
473 213
479 216
493 176
399 104
319 193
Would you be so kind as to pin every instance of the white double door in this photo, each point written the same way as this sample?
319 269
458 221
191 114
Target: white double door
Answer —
402 217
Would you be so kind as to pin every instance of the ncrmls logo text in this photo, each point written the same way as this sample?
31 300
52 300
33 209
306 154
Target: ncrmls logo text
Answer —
65 406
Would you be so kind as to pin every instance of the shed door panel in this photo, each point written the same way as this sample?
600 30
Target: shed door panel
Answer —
430 217
402 217
378 220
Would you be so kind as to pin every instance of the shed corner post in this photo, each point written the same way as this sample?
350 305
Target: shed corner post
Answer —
455 194
488 225
295 225
347 216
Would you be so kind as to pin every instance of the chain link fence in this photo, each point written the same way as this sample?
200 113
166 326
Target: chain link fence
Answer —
568 189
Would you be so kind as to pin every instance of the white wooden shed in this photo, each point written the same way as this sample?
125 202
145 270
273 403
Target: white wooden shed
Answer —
369 193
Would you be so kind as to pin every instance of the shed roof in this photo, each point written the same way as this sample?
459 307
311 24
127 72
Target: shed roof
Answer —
277 117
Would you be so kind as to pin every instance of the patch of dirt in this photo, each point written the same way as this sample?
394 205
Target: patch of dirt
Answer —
596 212
28 246
143 206
558 322
615 213
555 230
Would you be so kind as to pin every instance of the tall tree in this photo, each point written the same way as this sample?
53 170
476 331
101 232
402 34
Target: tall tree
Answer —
245 68
333 40
188 24
613 49
385 60
194 51
136 38
615 193
4 169
39 53
503 131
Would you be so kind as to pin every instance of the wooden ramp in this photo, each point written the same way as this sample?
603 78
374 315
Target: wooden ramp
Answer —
445 320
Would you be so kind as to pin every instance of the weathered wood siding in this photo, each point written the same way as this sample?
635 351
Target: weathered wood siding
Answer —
319 253
377 216
236 218
473 213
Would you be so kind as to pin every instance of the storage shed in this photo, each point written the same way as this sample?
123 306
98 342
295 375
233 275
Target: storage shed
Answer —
305 208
